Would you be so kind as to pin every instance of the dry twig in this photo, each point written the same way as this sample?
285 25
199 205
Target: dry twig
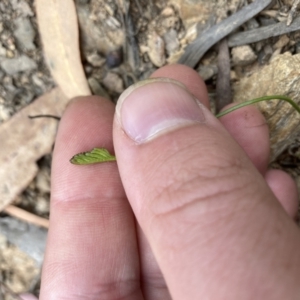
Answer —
58 27
262 33
26 216
194 52
292 12
223 89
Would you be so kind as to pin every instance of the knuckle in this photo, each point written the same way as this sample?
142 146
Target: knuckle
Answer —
182 188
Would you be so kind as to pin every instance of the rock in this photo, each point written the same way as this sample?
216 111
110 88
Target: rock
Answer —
196 11
200 11
2 50
8 84
95 59
283 41
29 238
243 55
18 64
24 33
97 89
280 77
22 7
265 54
42 205
38 82
43 180
25 95
252 24
97 36
10 54
114 58
156 49
207 72
113 82
172 43
3 241
5 112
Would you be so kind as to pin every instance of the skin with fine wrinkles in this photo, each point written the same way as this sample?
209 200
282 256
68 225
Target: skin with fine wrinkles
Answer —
192 213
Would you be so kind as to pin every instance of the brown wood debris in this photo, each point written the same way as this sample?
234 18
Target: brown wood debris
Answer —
26 140
58 28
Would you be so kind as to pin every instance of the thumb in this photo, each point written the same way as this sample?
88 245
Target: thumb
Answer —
206 211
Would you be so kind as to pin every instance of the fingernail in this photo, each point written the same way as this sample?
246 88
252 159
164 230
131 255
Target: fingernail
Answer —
155 106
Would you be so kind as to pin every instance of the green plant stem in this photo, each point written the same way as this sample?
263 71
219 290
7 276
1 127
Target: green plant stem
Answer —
260 99
100 155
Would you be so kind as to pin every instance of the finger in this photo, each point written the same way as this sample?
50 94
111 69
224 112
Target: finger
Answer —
249 129
153 283
188 77
285 190
90 217
204 208
246 125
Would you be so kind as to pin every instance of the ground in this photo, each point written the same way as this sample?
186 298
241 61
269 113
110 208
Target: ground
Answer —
120 43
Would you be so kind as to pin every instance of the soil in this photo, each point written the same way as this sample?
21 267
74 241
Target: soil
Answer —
134 43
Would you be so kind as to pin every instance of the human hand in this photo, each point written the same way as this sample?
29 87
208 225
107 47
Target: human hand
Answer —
210 226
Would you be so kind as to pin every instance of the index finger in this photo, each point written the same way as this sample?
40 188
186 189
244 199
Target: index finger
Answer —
91 219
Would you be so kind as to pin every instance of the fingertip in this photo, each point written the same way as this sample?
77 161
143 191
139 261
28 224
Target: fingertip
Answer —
82 121
284 188
189 77
248 127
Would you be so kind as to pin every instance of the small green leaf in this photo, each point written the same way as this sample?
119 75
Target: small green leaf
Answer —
97 155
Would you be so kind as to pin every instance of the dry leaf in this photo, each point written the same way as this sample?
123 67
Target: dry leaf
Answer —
24 141
58 27
98 36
